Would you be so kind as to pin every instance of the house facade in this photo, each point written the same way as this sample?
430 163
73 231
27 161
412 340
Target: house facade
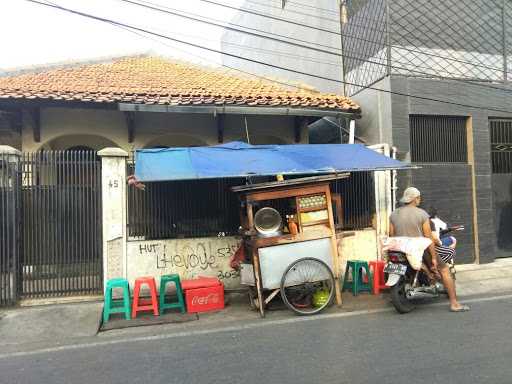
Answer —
80 222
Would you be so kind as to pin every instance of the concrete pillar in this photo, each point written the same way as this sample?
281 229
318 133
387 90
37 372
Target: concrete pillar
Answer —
10 153
383 197
113 182
10 233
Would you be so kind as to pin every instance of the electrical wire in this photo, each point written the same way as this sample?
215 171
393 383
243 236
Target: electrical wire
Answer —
362 59
192 16
407 69
110 21
245 10
268 16
406 35
161 8
309 59
293 11
302 5
210 60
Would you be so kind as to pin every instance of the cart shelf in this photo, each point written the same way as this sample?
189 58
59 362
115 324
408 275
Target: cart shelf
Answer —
285 239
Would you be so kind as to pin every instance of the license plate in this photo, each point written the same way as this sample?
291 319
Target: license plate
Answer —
398 269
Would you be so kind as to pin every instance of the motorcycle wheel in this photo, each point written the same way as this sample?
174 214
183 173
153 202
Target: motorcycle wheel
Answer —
399 298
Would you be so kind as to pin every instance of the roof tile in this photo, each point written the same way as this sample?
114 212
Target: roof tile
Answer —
151 80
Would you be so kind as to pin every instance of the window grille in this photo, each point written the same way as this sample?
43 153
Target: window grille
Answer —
501 145
203 208
438 139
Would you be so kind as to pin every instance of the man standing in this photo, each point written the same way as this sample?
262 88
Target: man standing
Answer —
411 221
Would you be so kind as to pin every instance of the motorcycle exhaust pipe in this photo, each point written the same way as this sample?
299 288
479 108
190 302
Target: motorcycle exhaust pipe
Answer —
421 294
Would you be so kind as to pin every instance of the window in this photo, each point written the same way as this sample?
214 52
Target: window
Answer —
438 139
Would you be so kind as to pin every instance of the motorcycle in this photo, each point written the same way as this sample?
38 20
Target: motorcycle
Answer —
408 284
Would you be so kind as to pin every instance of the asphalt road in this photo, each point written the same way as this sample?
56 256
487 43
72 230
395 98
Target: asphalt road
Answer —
430 345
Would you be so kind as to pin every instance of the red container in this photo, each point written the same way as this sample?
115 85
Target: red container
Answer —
210 298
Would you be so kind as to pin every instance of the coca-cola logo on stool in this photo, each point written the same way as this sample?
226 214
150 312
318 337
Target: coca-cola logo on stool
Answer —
211 298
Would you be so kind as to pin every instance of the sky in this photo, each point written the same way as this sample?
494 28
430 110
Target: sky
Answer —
35 35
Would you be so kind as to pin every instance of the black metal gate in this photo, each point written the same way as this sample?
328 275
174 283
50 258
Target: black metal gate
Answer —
501 159
9 228
61 224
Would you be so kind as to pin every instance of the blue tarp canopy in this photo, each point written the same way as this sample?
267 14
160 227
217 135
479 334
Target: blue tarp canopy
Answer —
238 159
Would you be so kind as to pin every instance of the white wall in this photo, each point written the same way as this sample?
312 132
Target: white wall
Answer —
210 256
189 258
375 125
320 14
357 245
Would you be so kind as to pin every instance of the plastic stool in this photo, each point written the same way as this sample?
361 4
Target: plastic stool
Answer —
144 304
379 280
164 280
357 284
116 306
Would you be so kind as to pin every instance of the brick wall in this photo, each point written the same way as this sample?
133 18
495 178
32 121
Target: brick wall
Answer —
448 188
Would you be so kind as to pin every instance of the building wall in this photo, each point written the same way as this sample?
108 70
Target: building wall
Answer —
448 188
448 39
323 14
8 134
463 93
357 245
190 258
62 128
470 32
386 119
210 256
376 121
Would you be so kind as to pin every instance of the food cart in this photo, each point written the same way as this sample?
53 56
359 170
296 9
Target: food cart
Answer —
300 259
303 264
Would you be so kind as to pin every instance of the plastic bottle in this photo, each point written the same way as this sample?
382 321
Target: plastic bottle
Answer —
292 226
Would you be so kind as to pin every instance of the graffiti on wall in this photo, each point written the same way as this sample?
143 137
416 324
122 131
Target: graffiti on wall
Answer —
193 258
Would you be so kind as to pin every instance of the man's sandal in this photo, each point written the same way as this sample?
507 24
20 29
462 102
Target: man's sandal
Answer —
462 308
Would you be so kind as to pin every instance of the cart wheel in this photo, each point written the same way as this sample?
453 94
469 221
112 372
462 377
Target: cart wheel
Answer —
307 286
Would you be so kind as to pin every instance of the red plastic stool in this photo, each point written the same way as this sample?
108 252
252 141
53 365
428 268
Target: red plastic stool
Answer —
379 280
144 304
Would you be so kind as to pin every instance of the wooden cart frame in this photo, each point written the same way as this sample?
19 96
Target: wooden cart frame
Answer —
311 230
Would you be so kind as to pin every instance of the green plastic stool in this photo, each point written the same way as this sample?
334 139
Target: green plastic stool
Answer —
164 280
357 285
120 305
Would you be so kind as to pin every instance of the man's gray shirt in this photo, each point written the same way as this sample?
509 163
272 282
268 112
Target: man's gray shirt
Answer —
408 221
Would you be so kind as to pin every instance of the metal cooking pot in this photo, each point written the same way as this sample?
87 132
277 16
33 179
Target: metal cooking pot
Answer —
267 221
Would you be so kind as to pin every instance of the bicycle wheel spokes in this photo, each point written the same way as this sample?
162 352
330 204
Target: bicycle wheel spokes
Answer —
303 280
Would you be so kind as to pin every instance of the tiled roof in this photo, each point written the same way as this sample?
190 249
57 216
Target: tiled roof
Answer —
155 80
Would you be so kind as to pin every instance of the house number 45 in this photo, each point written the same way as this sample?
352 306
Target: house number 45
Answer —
113 183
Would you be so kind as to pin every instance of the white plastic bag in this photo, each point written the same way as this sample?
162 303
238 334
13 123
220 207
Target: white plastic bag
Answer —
413 247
